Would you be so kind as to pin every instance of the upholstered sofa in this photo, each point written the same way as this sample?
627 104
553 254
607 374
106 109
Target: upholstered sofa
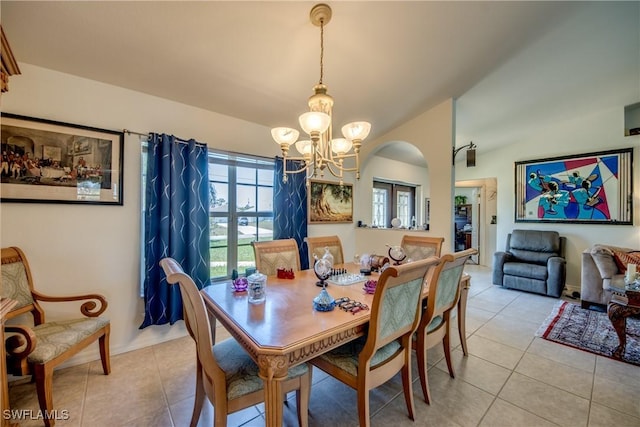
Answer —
533 261
599 271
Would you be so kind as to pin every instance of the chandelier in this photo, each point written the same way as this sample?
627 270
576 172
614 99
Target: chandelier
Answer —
321 151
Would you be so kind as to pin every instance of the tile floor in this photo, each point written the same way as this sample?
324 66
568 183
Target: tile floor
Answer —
510 378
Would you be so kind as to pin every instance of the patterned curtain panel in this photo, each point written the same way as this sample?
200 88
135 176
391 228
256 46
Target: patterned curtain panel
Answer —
176 222
290 207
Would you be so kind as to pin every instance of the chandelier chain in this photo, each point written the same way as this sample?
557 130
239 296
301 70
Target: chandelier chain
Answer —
321 50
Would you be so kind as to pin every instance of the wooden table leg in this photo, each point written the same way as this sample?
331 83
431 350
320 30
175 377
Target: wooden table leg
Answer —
465 284
273 371
618 314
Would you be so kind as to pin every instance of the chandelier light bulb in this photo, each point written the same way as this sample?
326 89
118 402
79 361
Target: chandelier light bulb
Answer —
283 135
314 122
340 145
356 131
304 147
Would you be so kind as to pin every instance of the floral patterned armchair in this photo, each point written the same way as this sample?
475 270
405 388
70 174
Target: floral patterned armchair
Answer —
36 350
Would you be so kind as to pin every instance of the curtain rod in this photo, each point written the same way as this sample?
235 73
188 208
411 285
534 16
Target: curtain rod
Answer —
130 132
178 140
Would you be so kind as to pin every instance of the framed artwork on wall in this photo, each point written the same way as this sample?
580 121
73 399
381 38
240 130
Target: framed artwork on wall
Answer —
330 202
44 161
576 189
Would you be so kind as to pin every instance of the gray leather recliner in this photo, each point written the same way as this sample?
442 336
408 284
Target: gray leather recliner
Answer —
533 261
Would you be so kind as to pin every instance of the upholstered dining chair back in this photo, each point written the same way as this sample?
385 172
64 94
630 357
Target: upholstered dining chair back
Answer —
370 361
225 373
36 350
317 245
435 324
273 254
421 247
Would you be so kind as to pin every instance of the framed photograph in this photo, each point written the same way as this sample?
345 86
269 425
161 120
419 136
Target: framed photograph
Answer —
44 161
330 202
576 189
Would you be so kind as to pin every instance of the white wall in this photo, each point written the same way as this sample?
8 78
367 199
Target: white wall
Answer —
79 249
601 130
432 133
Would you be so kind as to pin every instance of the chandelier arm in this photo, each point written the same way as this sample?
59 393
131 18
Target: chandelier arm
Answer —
330 169
304 168
295 158
301 169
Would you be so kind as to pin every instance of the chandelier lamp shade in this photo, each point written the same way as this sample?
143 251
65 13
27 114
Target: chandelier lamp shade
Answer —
318 149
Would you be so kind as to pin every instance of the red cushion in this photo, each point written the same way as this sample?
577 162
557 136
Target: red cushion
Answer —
624 258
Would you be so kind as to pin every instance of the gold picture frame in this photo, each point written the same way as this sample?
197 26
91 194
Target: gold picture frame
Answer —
330 202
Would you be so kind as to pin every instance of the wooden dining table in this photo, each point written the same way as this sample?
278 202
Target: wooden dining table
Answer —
285 330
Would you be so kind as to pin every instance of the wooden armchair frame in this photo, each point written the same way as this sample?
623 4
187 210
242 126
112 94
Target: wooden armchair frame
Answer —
23 340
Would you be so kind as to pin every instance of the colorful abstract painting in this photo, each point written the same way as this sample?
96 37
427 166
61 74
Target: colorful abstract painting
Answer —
585 188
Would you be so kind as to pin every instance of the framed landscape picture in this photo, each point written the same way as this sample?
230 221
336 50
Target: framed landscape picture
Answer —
330 202
44 161
576 189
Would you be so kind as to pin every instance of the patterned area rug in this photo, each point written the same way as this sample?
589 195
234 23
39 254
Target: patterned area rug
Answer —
589 330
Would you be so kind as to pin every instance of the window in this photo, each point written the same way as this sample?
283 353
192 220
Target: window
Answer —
241 210
393 200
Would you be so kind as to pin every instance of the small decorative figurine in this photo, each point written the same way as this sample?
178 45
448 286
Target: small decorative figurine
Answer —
324 301
396 253
285 273
240 284
323 268
370 286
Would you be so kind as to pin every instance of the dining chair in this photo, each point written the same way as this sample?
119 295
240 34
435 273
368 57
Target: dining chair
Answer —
421 247
225 373
435 324
317 245
273 254
36 350
372 360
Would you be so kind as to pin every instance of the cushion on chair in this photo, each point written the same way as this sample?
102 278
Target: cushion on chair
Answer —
437 321
624 258
392 319
241 371
523 269
15 284
448 283
535 240
534 246
345 357
55 338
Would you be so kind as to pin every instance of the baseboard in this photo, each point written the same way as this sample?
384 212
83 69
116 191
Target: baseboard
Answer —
571 292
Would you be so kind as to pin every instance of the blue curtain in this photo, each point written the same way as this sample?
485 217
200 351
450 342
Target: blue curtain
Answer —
290 207
176 222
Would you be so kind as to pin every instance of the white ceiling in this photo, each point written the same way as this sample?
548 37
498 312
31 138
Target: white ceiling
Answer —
509 65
